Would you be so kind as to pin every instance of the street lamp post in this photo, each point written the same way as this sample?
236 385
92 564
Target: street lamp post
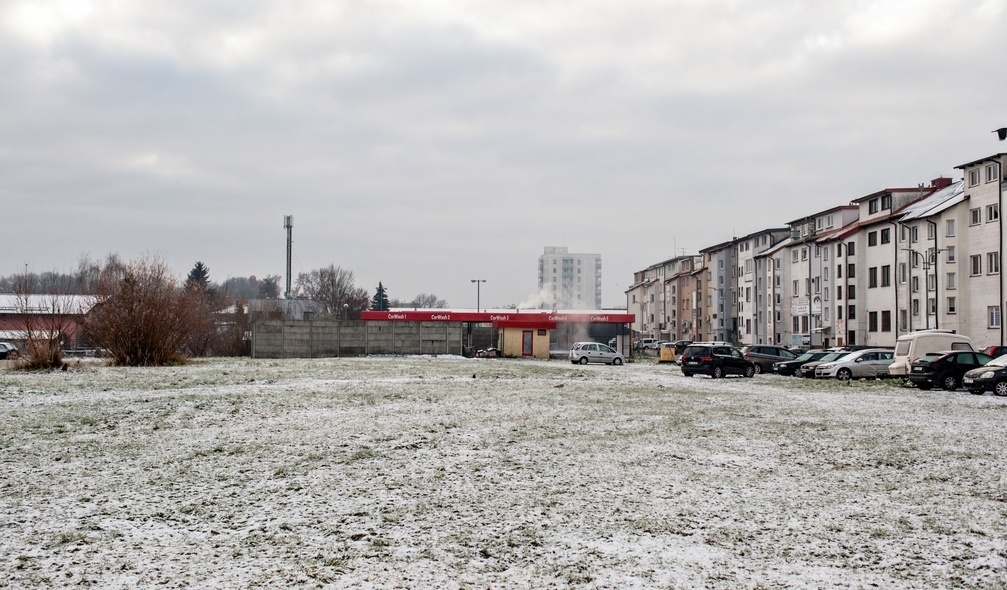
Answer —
478 283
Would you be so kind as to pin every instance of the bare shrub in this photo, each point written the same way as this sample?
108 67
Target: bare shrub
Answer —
47 319
142 317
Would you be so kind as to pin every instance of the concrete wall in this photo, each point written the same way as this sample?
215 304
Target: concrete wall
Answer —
332 338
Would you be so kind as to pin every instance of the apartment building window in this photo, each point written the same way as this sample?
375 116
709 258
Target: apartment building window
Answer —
779 280
797 325
952 281
951 254
886 321
974 177
975 265
932 306
851 312
839 312
886 236
851 292
886 275
839 250
872 321
872 277
916 307
839 271
931 231
779 316
904 318
950 228
872 206
851 249
872 238
993 315
915 284
796 256
797 288
779 299
903 273
932 282
992 263
952 305
886 202
851 270
825 294
804 253
975 216
839 292
914 234
825 273
992 212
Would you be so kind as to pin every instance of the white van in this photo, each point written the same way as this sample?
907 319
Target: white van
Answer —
918 343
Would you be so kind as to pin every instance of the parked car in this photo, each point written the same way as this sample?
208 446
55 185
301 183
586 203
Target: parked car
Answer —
645 343
716 361
764 355
870 362
7 350
945 369
994 351
681 345
916 344
808 368
593 352
991 377
788 367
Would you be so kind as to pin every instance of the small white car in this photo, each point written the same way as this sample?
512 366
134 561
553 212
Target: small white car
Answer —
593 352
870 362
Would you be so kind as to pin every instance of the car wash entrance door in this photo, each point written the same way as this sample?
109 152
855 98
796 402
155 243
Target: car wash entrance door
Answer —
527 337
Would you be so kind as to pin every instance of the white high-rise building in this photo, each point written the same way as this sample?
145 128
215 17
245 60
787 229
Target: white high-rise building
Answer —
569 281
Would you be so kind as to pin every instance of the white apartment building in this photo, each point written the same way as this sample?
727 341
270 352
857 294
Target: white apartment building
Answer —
752 299
646 300
981 244
569 281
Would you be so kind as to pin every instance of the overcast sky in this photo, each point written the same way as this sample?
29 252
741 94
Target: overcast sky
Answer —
425 143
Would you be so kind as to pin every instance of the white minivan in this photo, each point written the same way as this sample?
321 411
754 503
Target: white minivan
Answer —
921 342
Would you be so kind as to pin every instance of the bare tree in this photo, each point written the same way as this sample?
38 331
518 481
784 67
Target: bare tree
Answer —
428 300
141 316
334 286
48 312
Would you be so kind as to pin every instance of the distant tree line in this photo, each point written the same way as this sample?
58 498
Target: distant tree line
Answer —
143 315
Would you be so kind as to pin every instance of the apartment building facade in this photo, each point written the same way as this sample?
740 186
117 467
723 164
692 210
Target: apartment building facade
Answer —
569 281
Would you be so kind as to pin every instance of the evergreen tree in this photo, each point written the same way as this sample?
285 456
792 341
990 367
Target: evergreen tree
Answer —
199 277
380 301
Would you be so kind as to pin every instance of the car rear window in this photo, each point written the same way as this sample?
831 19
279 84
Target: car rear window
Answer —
697 351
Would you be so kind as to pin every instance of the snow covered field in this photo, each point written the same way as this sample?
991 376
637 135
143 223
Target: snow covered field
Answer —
467 473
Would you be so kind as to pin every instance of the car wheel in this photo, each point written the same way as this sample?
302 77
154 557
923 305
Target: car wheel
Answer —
583 360
758 368
718 372
751 371
844 374
617 361
949 382
1000 388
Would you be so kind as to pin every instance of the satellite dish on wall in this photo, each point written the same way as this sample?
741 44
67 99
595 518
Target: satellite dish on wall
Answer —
1001 133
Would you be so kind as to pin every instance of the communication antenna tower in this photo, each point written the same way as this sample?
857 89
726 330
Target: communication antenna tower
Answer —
288 224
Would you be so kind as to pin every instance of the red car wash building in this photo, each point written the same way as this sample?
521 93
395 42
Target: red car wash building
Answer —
522 333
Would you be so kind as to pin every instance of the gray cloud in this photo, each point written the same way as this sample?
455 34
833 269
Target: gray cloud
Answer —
427 143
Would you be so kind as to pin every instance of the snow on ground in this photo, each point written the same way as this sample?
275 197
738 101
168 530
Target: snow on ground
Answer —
420 472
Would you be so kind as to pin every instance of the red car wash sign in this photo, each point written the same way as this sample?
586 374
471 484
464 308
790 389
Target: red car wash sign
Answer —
508 316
